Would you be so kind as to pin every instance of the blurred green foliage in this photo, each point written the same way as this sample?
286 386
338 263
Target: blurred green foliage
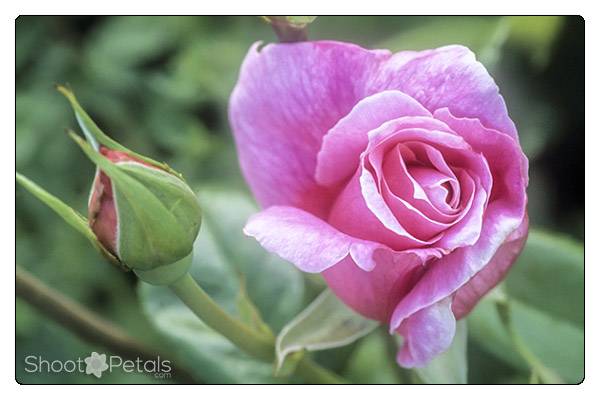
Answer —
160 86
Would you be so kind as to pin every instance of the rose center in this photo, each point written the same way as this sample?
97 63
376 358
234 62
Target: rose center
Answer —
437 186
446 185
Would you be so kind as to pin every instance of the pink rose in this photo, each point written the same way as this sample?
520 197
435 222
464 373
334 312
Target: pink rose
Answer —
398 177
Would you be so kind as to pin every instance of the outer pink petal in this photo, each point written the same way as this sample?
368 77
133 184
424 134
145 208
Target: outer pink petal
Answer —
467 296
287 97
307 241
426 334
375 293
450 273
447 77
343 144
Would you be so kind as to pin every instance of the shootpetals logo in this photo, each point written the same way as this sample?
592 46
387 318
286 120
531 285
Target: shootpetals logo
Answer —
97 364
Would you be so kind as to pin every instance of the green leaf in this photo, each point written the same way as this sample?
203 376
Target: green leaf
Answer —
69 215
220 252
290 364
548 275
545 294
326 323
449 367
544 373
558 344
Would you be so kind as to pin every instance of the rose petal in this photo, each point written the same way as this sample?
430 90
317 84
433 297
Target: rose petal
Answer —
434 184
426 334
287 97
343 144
501 152
447 77
398 185
375 293
437 160
351 216
467 227
448 274
307 241
468 295
382 140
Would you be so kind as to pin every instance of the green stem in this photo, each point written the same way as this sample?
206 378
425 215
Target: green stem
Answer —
214 316
247 339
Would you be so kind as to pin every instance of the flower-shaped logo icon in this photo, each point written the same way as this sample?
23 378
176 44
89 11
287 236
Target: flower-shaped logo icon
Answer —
96 363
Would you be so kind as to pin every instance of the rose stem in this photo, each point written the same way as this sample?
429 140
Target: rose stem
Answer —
247 339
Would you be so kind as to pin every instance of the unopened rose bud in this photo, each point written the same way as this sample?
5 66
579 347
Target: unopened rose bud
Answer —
141 211
127 236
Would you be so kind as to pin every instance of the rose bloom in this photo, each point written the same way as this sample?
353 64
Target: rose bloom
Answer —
398 177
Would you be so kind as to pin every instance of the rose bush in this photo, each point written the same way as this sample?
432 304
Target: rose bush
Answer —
398 177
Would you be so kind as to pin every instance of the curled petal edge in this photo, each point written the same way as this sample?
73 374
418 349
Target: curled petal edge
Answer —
311 243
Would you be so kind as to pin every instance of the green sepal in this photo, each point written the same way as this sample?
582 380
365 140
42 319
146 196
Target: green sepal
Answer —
166 274
158 215
96 137
288 366
70 216
325 324
248 312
